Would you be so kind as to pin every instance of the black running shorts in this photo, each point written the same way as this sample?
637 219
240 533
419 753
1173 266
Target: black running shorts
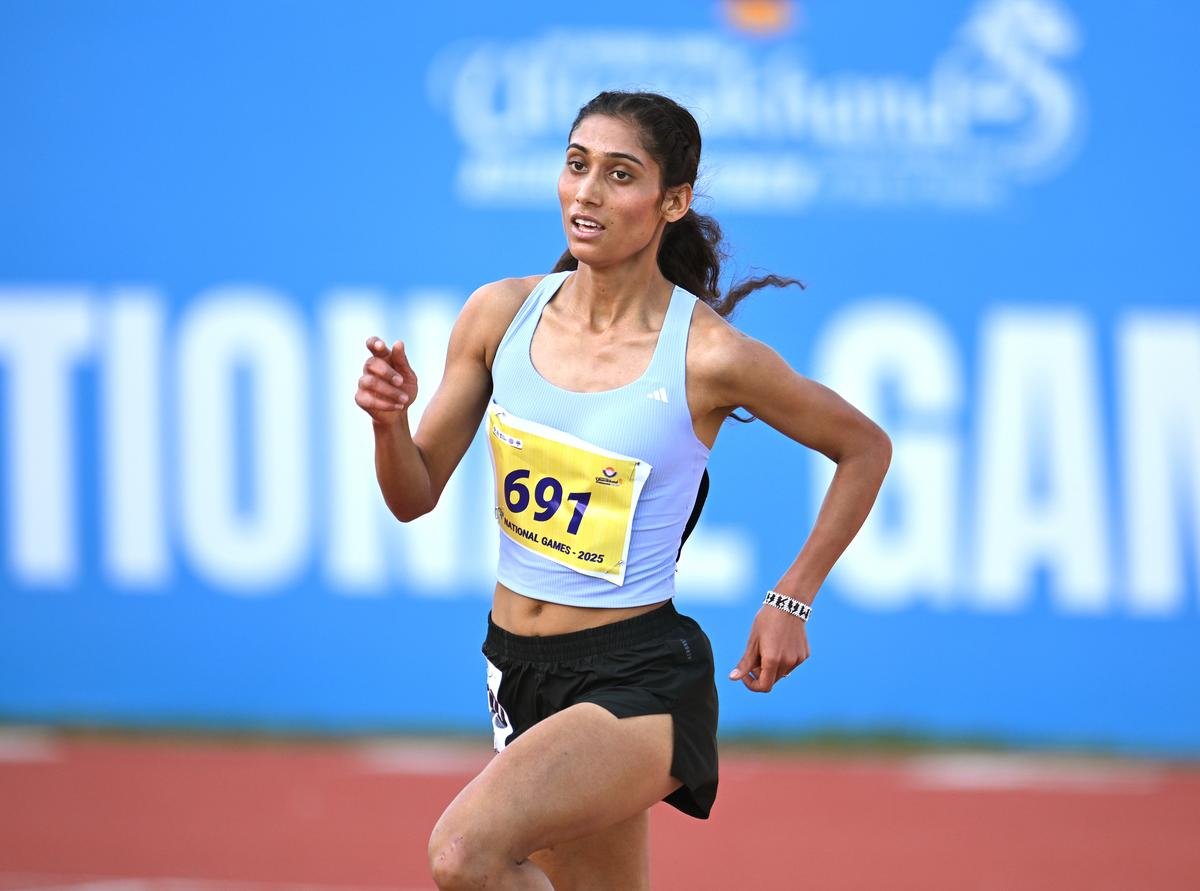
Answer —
658 662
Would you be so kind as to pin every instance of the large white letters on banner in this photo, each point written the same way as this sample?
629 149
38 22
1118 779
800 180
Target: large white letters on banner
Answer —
44 336
245 523
1159 366
1040 483
908 544
998 489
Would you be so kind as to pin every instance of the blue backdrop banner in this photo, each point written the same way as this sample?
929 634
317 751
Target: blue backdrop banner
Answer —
207 208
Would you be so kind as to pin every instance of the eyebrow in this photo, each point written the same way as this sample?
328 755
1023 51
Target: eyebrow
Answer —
576 145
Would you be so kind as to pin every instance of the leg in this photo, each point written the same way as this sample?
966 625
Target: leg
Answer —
616 857
578 772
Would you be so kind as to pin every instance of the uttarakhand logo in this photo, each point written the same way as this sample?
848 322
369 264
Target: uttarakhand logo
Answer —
996 107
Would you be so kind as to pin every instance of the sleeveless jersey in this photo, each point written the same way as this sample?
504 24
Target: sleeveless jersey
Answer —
592 489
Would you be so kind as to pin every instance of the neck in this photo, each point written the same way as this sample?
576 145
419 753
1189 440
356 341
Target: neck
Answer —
610 294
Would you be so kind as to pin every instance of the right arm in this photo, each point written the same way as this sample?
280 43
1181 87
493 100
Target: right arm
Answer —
413 469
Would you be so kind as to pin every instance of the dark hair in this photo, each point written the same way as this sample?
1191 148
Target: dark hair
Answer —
692 249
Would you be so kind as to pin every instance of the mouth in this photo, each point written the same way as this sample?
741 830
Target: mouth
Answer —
584 225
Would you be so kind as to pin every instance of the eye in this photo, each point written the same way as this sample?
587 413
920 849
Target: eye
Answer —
576 165
621 176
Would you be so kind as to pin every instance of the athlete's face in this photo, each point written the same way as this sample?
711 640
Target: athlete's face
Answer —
611 195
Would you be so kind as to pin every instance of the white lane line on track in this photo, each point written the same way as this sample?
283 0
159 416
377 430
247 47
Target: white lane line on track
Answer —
422 758
970 772
22 744
44 882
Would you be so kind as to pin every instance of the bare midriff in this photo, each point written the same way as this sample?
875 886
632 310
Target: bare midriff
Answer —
529 617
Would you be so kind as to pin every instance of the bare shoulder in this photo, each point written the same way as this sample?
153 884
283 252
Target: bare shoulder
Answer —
497 302
490 310
719 355
714 339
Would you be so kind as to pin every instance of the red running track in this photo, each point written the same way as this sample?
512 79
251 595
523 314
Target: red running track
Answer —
153 815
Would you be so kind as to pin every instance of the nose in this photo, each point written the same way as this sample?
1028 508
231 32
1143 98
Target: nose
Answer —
588 190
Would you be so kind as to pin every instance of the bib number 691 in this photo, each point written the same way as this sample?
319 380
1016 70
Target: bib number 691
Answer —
547 493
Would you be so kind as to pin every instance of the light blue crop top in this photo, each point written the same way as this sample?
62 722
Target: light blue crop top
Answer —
647 419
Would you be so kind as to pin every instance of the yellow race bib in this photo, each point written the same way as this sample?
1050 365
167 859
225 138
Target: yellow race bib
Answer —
562 497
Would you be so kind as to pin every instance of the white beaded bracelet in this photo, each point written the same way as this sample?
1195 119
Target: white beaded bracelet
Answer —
789 605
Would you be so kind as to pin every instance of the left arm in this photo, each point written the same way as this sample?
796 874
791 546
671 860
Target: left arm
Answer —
749 374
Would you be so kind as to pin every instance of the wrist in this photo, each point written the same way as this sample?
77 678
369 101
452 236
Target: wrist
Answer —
790 605
398 421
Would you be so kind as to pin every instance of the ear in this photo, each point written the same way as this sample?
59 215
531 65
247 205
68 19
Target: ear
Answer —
676 202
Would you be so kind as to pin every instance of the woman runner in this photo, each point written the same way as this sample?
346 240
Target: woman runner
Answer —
604 385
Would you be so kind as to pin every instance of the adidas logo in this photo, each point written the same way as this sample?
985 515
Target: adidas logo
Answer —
660 394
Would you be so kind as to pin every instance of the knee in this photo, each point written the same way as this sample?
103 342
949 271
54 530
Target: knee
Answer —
460 859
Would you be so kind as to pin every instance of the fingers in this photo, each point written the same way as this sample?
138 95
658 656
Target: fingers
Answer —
370 402
382 387
767 677
379 395
399 359
755 671
388 376
383 371
778 644
748 663
395 356
758 673
380 380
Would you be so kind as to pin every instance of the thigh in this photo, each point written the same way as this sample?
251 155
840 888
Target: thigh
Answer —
572 775
615 858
